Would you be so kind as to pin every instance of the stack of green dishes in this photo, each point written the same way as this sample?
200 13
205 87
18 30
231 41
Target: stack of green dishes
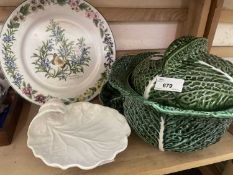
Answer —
174 121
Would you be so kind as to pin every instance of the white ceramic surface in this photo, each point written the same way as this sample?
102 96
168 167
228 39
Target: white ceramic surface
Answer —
80 135
56 48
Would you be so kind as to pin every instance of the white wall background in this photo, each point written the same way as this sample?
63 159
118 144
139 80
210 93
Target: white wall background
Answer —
224 35
134 36
224 32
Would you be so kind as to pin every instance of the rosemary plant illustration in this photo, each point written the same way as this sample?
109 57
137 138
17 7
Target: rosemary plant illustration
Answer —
59 57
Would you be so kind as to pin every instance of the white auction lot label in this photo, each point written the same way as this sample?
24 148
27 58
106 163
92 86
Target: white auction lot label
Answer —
169 84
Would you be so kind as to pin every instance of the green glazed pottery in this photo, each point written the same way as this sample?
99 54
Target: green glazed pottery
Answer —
167 127
208 79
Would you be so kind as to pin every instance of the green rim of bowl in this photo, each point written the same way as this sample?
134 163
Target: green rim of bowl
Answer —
120 81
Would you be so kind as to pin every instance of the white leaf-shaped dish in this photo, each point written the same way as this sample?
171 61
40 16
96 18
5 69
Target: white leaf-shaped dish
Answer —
80 135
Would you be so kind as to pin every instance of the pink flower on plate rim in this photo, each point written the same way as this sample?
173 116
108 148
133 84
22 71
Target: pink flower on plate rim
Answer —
92 15
27 91
40 98
96 15
74 4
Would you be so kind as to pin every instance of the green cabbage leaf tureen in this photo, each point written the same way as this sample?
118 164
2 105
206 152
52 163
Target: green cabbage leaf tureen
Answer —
188 120
208 79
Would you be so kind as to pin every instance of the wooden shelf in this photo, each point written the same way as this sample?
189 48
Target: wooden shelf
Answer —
139 158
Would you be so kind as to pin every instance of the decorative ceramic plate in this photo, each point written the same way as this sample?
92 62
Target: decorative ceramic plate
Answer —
80 135
56 48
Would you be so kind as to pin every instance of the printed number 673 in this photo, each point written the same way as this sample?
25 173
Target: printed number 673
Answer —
167 85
